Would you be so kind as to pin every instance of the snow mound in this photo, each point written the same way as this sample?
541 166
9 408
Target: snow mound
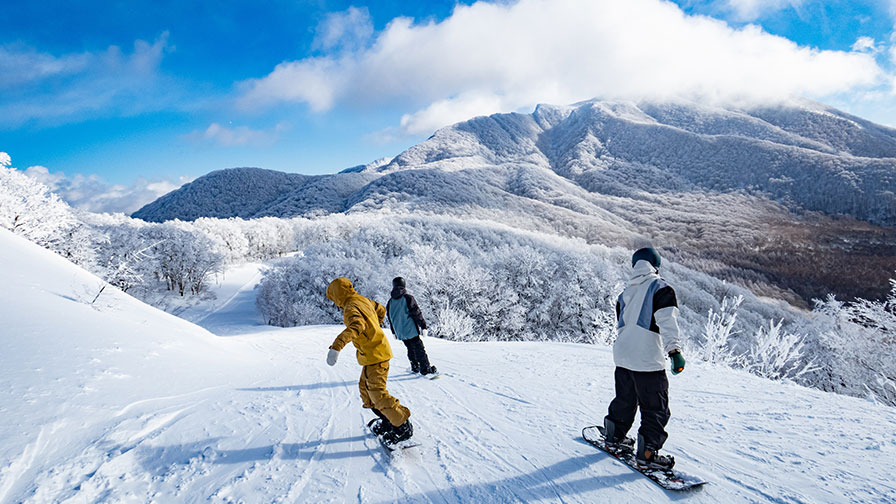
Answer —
76 371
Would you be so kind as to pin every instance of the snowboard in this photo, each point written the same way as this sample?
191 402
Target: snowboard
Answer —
431 376
671 479
391 447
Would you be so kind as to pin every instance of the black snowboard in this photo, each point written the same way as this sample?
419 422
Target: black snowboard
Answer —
671 479
391 447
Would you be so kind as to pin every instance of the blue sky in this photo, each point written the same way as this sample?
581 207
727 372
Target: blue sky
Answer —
130 93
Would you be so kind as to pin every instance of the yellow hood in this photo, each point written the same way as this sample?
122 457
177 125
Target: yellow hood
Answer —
339 291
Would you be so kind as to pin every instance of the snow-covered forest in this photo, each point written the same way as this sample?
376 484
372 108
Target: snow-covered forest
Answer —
475 279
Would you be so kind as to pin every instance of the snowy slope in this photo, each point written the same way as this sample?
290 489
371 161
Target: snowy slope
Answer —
82 382
119 402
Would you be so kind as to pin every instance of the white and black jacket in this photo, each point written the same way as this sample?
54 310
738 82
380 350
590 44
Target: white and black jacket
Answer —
647 327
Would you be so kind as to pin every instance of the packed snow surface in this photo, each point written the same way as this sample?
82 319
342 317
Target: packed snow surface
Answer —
115 401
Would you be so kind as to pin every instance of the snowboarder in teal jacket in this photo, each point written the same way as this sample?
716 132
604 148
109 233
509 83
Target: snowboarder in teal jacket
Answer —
408 325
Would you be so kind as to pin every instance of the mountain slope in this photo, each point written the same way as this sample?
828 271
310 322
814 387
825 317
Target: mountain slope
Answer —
237 192
805 160
116 401
801 154
795 201
254 192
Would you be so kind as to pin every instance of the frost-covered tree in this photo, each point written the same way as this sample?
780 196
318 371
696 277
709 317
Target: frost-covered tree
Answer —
717 344
778 354
858 346
474 281
127 256
184 259
877 315
30 209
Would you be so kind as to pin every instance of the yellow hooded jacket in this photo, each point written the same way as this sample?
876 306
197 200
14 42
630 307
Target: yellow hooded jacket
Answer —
363 320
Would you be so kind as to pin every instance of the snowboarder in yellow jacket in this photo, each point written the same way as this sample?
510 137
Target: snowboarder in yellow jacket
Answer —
363 327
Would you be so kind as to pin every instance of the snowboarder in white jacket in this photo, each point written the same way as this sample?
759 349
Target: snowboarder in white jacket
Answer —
408 325
647 331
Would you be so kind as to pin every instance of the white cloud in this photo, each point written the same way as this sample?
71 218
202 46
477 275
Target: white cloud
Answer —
24 65
489 57
347 30
92 194
227 136
864 44
311 81
750 10
892 48
44 87
452 110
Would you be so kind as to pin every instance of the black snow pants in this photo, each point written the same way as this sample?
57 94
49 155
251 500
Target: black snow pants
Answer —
648 391
417 354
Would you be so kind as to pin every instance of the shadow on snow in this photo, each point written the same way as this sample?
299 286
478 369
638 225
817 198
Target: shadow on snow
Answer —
310 386
160 459
543 483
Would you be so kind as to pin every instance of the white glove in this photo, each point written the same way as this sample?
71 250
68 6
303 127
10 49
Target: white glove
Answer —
424 332
332 355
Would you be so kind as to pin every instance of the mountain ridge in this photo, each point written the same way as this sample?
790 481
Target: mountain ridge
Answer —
708 183
627 140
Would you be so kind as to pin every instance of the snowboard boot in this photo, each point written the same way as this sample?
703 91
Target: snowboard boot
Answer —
428 371
415 368
614 442
379 426
400 433
647 458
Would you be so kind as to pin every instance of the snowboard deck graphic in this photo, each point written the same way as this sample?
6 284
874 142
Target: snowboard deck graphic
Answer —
391 447
671 479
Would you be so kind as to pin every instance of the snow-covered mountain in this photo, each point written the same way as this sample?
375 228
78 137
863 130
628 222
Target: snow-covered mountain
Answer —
105 399
801 154
248 192
773 197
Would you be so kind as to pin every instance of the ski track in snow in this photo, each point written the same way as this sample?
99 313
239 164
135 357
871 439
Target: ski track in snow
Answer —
270 422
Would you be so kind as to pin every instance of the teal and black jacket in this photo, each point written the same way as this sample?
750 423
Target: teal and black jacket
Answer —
405 318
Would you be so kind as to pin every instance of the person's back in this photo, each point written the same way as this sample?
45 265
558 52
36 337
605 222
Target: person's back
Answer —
647 331
647 304
399 313
408 325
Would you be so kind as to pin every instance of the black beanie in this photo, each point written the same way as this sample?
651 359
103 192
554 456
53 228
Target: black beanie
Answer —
648 254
